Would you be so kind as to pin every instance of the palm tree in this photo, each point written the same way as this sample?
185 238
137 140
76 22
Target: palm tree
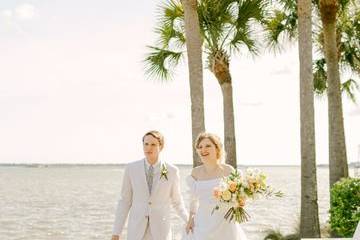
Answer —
347 53
348 48
337 147
226 27
194 53
309 218
283 25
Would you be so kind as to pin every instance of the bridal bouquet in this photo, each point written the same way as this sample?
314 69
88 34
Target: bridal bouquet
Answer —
233 191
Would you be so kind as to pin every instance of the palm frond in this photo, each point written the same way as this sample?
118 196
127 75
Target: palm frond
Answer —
242 37
344 4
170 21
277 235
288 5
274 235
274 27
245 14
349 46
250 10
350 57
349 87
295 236
167 34
215 20
225 25
320 78
160 63
320 81
170 11
281 25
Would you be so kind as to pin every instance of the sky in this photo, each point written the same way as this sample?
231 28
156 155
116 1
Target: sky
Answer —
73 90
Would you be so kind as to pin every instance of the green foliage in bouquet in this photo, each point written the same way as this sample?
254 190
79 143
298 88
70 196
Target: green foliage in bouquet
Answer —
237 214
345 206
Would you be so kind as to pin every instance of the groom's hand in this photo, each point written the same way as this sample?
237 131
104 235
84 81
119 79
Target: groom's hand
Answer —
115 237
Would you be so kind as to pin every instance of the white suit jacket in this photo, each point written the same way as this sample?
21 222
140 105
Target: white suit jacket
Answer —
136 201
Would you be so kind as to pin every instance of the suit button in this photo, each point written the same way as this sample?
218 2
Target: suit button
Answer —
149 203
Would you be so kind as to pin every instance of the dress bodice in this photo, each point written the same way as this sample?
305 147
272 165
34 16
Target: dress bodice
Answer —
202 191
209 224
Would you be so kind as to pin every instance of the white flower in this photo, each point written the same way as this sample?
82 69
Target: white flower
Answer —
223 186
226 195
249 171
233 199
242 194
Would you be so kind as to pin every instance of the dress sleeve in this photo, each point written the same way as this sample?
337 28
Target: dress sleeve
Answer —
194 198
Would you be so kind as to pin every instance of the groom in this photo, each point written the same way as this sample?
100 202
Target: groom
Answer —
149 187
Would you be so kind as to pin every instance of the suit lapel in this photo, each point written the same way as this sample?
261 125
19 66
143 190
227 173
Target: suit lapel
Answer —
142 176
157 181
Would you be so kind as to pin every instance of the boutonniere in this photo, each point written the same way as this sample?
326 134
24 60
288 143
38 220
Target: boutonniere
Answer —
163 172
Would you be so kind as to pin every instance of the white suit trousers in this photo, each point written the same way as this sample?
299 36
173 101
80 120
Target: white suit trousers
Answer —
147 234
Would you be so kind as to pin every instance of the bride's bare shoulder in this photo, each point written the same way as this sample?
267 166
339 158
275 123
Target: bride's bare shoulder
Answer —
196 171
227 168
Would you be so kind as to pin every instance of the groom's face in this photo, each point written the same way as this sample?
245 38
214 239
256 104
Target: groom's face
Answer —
151 147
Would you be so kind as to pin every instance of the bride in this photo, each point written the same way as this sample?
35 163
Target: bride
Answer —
202 223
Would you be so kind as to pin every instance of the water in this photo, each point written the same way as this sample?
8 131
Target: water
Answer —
78 202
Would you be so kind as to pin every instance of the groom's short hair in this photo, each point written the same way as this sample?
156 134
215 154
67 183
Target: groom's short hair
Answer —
157 135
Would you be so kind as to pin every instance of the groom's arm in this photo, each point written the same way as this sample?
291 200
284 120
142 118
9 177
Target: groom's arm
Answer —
124 204
177 199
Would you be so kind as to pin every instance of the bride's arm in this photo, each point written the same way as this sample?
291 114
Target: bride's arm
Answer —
194 201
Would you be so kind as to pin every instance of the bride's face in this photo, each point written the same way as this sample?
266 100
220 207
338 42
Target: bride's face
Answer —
207 151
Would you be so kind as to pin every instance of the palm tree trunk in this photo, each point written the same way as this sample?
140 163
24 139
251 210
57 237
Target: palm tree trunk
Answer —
309 219
194 52
229 124
220 68
337 147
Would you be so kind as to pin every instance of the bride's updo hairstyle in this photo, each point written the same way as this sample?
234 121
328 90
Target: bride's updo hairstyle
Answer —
220 153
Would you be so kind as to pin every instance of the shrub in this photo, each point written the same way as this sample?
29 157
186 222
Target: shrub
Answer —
345 206
277 235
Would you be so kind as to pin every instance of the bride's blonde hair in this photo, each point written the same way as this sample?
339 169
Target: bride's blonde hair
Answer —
220 153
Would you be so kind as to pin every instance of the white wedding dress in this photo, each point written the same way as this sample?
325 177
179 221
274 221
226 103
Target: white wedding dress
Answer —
208 225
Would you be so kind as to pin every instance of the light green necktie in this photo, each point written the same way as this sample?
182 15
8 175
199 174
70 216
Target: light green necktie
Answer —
150 177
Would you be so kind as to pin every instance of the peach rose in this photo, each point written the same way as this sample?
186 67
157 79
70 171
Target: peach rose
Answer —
217 193
241 202
232 186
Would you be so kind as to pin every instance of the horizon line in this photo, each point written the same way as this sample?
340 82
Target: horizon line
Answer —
351 164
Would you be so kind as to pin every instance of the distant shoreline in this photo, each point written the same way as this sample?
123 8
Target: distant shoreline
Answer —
45 165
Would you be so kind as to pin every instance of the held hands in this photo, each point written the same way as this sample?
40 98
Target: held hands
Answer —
190 225
115 237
